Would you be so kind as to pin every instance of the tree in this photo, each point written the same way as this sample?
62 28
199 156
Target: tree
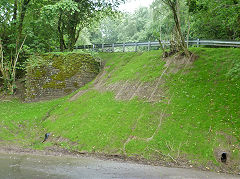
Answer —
23 9
8 69
42 35
71 16
174 7
13 14
125 27
215 19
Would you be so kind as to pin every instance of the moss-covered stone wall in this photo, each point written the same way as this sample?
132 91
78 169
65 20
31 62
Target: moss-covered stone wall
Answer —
55 75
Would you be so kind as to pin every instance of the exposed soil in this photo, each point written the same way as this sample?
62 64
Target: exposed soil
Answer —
124 90
148 91
58 151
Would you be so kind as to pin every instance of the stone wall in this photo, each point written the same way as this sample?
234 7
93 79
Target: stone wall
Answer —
55 75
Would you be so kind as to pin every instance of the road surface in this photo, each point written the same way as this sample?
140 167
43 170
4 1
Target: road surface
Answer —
24 166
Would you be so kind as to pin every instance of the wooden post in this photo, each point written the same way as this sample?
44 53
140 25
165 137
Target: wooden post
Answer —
135 46
113 47
84 47
198 42
124 47
149 45
102 47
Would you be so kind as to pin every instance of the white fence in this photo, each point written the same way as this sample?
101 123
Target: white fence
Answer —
198 42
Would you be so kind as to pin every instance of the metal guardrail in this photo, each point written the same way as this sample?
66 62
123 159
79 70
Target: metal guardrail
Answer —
198 42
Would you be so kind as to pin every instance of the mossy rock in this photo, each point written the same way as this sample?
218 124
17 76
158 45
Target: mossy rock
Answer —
59 73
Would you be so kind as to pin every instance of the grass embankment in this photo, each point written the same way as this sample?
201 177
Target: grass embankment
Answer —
198 117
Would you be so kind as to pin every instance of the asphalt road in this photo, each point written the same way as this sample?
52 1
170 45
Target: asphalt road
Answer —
24 166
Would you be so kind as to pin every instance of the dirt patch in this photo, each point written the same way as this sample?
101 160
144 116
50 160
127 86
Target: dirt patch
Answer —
54 151
148 91
127 90
224 153
178 62
58 151
80 93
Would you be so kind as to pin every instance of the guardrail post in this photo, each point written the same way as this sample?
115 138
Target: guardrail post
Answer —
149 45
165 43
198 42
113 47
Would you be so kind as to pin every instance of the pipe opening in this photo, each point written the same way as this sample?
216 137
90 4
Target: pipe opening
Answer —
224 157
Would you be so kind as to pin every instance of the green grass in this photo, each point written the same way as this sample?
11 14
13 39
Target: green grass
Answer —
134 66
205 107
202 118
97 120
22 122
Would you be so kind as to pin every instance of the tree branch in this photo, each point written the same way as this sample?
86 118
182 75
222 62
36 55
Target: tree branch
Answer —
1 53
16 59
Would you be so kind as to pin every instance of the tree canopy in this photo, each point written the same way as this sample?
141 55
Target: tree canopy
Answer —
49 23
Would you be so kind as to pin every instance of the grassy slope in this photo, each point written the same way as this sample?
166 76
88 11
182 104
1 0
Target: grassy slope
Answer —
21 122
202 118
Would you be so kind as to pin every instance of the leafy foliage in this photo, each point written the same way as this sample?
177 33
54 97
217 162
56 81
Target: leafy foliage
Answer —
125 28
215 19
71 16
207 20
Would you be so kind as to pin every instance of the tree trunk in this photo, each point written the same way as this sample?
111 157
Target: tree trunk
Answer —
71 40
20 22
188 32
174 7
73 33
6 73
15 12
161 45
60 32
8 70
178 27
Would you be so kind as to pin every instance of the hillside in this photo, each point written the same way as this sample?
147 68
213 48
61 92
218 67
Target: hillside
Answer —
181 113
